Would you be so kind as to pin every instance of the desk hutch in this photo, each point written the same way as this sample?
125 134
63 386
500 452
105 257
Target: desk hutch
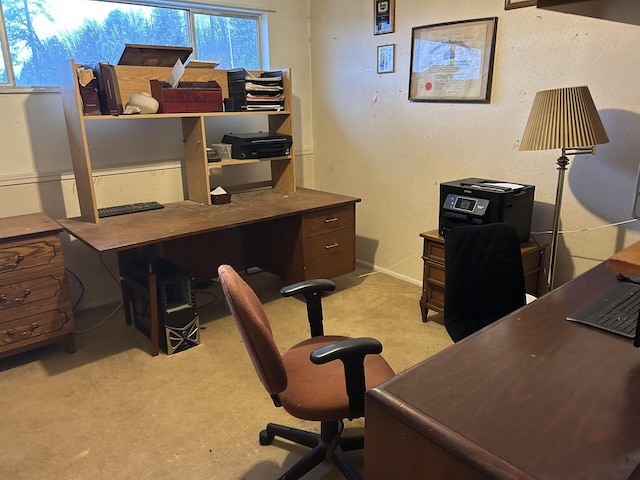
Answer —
135 79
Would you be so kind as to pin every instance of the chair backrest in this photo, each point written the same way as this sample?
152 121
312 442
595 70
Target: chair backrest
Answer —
253 324
484 277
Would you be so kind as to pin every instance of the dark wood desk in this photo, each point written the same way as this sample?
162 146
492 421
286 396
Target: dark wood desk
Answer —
295 235
531 396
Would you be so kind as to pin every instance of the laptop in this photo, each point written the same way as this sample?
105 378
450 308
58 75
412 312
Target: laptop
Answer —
615 311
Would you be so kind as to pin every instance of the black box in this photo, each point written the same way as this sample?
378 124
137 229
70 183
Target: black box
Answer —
476 201
246 146
178 321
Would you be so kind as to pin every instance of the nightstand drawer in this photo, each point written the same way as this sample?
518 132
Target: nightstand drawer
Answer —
29 255
434 252
329 220
21 294
33 327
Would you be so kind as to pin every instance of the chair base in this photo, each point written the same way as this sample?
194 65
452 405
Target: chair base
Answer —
324 445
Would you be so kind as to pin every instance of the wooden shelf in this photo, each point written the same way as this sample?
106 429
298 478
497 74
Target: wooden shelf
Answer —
156 116
133 79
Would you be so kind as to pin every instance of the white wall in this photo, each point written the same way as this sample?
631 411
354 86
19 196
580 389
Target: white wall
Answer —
371 142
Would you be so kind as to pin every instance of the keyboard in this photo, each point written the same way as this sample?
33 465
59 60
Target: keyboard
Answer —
128 208
616 311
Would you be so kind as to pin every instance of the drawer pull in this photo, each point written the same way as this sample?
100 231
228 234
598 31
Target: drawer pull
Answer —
330 220
27 292
9 266
11 333
333 245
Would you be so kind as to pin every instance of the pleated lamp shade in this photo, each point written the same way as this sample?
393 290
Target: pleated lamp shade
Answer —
563 118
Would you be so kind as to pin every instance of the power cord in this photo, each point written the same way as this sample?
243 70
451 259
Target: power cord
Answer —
118 307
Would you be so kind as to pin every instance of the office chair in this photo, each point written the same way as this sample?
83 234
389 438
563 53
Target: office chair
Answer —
484 277
306 380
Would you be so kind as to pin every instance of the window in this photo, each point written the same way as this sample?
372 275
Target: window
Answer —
37 35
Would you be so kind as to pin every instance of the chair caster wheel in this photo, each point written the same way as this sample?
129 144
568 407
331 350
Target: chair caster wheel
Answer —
265 438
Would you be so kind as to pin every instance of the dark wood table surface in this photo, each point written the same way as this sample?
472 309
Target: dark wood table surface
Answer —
531 396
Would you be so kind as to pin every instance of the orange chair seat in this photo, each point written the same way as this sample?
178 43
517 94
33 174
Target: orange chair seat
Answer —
304 400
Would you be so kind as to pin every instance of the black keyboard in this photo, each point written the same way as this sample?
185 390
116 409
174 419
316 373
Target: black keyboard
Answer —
128 208
616 311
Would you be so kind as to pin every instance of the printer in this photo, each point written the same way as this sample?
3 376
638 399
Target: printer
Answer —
247 146
476 201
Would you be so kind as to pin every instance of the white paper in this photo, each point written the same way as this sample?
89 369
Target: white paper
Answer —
513 186
176 74
218 191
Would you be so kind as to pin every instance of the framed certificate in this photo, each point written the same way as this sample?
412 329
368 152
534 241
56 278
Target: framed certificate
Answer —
384 16
453 62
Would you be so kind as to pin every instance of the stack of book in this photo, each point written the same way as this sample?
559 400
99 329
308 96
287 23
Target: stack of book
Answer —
248 92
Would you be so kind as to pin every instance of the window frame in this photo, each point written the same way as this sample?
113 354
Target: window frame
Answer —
260 14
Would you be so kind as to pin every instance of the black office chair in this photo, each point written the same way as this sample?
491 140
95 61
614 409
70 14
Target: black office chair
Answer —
307 380
484 277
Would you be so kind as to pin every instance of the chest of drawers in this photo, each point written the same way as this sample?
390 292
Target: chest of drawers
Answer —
35 308
433 272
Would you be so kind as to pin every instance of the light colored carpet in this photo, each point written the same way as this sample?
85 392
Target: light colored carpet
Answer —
111 411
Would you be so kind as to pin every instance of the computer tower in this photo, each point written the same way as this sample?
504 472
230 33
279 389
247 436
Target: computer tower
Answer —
178 321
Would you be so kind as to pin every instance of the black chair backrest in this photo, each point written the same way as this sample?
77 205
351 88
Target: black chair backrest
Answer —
484 277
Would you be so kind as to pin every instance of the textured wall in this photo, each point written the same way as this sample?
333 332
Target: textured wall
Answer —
371 142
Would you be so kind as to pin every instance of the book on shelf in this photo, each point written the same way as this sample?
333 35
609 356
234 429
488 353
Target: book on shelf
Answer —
108 90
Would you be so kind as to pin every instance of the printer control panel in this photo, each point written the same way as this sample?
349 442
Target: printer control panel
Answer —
475 206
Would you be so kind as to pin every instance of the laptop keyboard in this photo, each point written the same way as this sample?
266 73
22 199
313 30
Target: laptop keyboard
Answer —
619 315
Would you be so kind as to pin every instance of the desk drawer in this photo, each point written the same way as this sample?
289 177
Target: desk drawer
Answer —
25 256
33 327
328 220
330 255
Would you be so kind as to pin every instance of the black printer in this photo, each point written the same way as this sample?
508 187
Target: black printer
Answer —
246 146
476 201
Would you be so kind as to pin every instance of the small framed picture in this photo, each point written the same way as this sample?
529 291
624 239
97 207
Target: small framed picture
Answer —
386 58
384 16
511 4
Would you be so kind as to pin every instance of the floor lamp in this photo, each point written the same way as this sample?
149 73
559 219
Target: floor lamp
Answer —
565 119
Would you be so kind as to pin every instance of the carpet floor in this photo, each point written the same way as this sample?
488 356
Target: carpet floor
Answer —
112 411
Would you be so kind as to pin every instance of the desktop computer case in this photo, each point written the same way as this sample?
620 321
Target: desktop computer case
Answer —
178 320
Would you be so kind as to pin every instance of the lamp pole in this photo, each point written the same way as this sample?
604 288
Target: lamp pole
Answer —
562 162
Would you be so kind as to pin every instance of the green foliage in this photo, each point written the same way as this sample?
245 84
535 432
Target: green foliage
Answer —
35 55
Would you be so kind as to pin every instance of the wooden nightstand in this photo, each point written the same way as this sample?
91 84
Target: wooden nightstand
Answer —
34 297
433 273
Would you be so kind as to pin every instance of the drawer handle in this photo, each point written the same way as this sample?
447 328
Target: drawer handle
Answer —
11 333
330 220
27 292
333 245
9 266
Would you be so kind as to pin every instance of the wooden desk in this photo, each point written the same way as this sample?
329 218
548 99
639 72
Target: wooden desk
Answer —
296 235
530 396
626 261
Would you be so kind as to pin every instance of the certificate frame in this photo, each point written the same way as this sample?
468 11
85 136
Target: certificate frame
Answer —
384 16
386 58
511 4
453 62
